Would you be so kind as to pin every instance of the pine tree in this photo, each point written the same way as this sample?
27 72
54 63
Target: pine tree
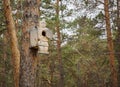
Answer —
28 56
61 76
110 45
13 39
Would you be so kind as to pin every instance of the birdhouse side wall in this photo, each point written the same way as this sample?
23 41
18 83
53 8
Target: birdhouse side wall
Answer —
33 38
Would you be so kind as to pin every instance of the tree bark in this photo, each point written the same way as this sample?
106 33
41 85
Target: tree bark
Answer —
28 55
61 71
110 45
13 40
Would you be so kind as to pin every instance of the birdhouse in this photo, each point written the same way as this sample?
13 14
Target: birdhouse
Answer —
39 38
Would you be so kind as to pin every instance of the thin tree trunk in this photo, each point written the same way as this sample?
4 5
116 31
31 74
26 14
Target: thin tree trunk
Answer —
28 56
61 77
13 39
110 45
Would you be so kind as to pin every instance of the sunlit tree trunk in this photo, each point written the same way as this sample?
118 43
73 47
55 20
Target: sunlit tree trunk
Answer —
28 55
13 40
61 76
110 45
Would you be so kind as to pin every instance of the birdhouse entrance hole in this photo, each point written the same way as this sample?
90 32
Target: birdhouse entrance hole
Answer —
44 33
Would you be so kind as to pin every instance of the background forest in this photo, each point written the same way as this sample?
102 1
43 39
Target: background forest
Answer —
84 50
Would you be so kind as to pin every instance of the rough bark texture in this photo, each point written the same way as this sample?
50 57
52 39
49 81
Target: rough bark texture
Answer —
28 55
61 77
117 41
110 45
13 40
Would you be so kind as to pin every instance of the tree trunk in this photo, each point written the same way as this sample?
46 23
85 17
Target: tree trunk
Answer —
28 55
110 45
61 77
13 40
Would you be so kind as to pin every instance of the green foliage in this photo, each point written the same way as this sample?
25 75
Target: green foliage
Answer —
84 54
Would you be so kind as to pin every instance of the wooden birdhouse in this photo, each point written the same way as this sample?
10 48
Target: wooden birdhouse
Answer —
39 38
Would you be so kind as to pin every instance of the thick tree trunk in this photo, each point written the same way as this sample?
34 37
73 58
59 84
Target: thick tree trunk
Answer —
61 71
13 39
110 45
28 56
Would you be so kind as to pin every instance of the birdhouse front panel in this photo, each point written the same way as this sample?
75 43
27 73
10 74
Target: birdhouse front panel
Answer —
43 41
